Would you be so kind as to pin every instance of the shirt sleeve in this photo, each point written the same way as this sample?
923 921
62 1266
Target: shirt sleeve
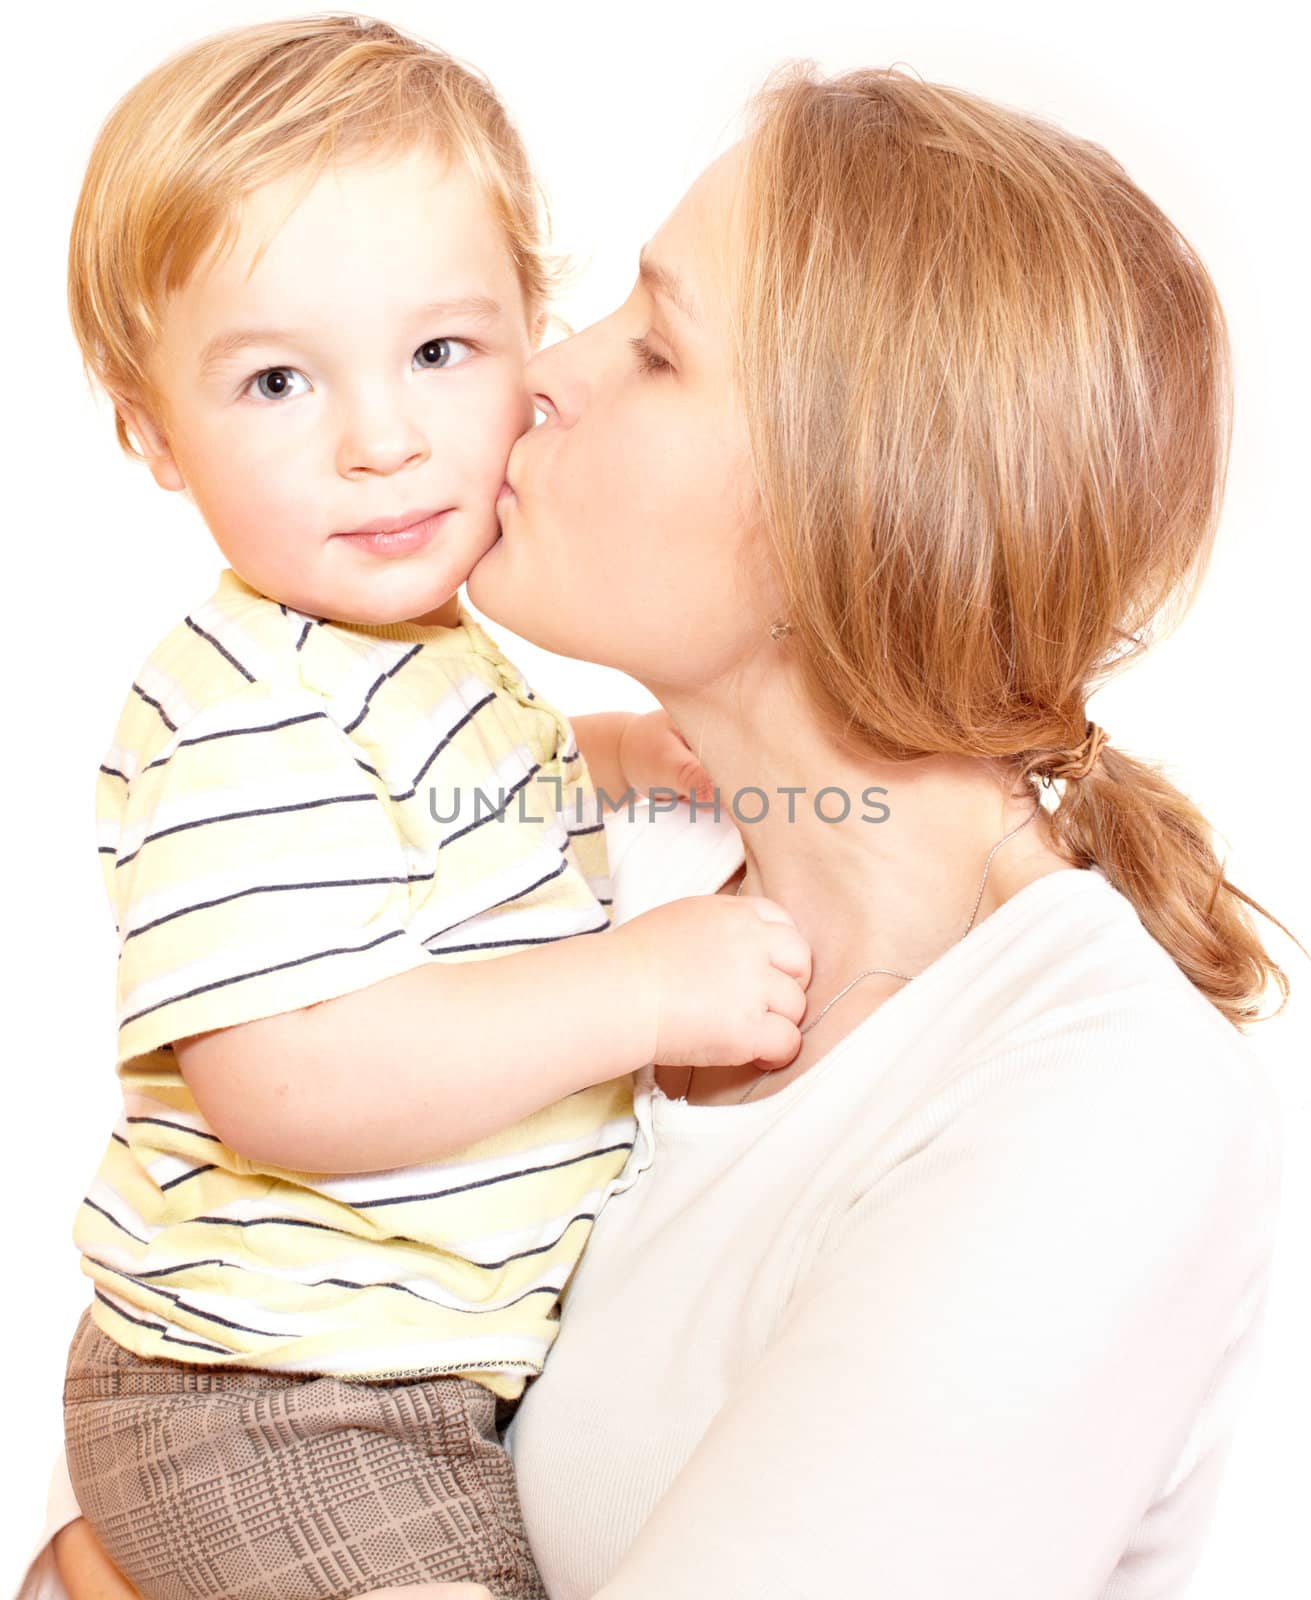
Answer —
257 869
993 1361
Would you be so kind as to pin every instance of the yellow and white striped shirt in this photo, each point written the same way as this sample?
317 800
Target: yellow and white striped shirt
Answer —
291 810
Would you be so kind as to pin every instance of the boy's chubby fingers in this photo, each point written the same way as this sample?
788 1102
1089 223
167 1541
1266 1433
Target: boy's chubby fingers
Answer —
690 776
655 755
693 780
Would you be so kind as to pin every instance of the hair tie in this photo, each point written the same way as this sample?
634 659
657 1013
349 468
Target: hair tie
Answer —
1079 762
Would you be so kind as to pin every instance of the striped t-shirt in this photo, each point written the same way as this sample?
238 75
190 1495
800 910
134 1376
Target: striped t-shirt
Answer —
294 809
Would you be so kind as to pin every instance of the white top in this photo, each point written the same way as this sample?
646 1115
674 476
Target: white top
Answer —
965 1309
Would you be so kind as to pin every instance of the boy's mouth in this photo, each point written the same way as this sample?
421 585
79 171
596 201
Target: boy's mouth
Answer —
396 536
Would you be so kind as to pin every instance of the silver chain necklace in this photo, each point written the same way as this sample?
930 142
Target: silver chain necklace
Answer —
871 971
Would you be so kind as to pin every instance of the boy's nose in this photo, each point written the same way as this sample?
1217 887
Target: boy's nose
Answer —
380 444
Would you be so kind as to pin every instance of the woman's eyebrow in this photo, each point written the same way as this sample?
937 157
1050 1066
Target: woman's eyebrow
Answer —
659 280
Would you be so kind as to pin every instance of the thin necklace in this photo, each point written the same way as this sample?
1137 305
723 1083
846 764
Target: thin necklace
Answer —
871 971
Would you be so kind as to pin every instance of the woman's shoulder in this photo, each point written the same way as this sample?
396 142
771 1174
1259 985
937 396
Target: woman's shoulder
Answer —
1093 1125
1077 974
1067 1034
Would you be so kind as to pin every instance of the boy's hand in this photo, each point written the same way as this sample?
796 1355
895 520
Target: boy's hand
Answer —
721 978
654 755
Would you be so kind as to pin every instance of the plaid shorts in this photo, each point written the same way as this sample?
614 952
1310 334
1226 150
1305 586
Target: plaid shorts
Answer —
223 1483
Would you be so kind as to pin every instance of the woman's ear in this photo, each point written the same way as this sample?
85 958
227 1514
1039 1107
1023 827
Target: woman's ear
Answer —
151 440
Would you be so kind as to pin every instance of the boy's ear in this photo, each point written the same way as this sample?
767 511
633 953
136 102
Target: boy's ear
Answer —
151 441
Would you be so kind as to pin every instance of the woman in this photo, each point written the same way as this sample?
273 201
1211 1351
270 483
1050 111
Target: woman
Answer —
912 430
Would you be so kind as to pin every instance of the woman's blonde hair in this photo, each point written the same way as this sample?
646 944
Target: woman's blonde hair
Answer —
988 389
181 149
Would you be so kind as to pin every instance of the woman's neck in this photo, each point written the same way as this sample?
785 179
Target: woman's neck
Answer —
893 884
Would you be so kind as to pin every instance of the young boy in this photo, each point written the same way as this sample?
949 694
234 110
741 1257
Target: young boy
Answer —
375 1089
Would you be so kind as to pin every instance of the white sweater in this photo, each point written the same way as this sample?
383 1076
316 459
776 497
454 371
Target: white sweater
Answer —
964 1312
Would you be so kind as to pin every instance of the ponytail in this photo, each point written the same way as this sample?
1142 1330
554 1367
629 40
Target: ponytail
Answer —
1152 844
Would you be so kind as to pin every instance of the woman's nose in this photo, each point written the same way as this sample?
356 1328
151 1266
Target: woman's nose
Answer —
555 382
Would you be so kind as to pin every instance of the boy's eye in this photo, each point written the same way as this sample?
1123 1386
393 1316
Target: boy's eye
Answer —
276 383
441 353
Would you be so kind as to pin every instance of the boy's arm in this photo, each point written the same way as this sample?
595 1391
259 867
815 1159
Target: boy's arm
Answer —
260 885
430 1061
261 890
599 735
426 1063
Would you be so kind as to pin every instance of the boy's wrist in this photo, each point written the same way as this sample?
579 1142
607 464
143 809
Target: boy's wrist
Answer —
626 727
599 735
633 993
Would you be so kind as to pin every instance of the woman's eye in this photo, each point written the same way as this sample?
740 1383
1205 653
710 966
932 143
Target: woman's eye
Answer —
441 353
647 359
276 383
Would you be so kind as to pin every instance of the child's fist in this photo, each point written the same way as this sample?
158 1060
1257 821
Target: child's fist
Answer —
716 981
654 755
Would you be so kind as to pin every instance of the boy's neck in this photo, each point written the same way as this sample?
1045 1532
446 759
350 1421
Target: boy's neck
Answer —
445 616
406 632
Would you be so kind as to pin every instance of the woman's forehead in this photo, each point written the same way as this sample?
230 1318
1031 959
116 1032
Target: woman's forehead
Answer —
688 259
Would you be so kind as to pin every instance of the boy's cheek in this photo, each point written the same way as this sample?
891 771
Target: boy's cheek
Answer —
214 450
242 497
486 429
509 409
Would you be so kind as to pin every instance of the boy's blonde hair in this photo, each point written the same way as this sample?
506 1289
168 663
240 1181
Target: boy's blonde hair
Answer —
224 116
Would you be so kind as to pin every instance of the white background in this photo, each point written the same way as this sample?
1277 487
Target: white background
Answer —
620 108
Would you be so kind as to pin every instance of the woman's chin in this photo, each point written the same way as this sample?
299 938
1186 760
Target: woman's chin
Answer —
482 585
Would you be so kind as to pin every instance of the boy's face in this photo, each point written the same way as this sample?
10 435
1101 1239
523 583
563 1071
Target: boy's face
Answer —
364 374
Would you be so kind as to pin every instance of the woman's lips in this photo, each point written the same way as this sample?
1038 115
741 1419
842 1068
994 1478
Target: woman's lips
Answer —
393 537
